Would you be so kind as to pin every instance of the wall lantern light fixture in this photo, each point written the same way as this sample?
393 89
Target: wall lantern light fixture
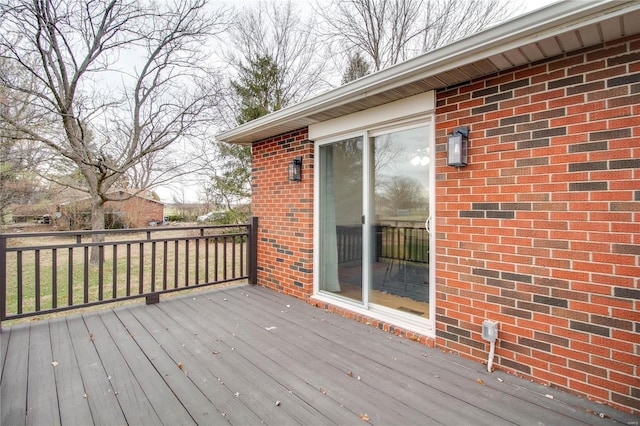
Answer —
457 147
294 169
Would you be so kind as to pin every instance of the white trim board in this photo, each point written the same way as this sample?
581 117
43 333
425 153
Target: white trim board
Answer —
391 113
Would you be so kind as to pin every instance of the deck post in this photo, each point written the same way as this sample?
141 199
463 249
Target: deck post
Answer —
153 298
252 257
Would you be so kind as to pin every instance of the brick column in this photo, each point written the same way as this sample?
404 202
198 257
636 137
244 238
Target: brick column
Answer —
285 210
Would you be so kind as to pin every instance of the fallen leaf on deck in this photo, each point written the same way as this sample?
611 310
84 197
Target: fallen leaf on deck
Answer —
180 365
54 363
350 374
480 381
91 336
322 390
364 417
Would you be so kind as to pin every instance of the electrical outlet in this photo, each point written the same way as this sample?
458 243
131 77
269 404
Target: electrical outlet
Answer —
490 330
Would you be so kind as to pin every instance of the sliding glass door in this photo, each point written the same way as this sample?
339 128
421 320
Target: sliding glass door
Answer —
374 205
398 214
341 232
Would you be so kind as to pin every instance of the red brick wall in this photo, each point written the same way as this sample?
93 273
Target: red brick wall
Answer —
541 231
285 212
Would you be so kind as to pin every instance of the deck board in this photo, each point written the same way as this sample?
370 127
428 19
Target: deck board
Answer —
13 392
98 392
190 356
73 406
526 398
322 363
462 374
245 384
4 340
165 404
200 409
248 342
41 378
256 388
226 356
407 400
294 393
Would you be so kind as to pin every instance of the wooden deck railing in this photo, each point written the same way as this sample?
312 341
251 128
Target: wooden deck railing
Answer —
48 272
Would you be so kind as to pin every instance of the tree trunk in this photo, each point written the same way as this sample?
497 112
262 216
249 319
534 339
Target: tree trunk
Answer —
97 224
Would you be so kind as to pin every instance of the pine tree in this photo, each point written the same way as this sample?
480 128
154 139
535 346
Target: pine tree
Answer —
258 88
358 67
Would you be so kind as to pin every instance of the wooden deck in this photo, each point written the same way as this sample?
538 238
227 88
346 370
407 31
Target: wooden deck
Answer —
247 355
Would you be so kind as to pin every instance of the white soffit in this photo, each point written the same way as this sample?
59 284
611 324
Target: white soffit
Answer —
556 29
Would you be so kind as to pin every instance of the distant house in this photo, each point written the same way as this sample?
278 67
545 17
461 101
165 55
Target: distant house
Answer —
129 210
538 234
26 213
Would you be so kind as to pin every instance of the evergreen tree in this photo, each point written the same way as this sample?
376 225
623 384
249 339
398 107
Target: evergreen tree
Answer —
257 89
358 67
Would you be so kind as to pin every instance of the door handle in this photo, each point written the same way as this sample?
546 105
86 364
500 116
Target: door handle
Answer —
427 224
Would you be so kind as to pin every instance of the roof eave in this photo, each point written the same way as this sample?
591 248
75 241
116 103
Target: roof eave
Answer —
540 24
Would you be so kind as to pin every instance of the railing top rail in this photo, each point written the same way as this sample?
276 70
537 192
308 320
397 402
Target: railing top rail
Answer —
122 242
116 231
386 220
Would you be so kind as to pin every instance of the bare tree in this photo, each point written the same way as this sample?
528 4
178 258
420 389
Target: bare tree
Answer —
117 80
19 158
277 31
401 192
451 20
390 31
275 62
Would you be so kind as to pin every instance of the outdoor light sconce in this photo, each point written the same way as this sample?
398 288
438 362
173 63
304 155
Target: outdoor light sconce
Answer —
294 169
457 147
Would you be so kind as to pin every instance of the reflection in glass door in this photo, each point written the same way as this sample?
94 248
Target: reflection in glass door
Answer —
398 212
340 201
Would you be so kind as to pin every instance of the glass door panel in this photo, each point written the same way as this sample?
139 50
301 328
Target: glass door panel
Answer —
398 211
341 229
